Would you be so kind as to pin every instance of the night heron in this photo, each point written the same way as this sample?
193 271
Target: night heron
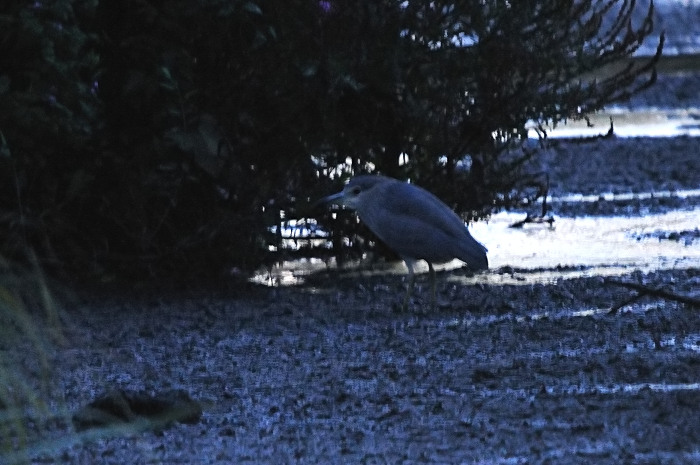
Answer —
412 222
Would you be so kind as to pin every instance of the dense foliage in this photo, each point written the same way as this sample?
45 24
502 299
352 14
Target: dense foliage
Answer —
143 137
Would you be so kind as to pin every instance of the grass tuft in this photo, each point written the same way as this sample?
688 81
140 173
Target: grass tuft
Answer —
30 329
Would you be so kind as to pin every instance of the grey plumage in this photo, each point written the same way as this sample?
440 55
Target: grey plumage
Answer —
412 222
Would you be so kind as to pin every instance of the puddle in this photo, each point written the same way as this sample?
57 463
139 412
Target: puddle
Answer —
572 248
586 246
573 390
623 388
647 122
612 197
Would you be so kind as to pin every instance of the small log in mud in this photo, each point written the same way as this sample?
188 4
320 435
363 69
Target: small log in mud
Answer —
644 291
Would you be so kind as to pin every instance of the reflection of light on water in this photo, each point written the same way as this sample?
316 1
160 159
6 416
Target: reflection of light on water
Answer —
688 342
585 246
648 122
290 273
589 389
622 388
610 196
293 273
468 321
635 388
692 342
573 248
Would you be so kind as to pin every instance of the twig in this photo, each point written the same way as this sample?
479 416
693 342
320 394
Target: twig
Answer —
533 219
584 140
624 303
646 290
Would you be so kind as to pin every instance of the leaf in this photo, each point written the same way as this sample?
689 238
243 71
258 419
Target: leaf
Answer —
166 73
78 182
4 84
4 148
251 7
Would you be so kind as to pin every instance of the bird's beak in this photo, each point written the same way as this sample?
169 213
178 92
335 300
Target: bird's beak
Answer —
335 198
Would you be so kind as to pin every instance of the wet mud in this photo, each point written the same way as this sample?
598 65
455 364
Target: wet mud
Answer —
517 373
524 364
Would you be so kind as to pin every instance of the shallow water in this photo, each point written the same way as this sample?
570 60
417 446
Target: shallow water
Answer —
588 246
538 253
643 122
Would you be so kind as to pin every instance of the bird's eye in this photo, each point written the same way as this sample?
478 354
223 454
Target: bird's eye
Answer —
355 190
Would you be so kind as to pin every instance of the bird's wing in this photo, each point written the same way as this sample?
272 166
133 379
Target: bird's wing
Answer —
411 239
416 202
416 224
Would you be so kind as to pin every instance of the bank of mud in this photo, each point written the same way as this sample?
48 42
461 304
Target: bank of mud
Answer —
497 374
330 372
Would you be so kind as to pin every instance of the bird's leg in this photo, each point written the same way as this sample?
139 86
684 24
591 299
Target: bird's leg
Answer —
433 286
411 280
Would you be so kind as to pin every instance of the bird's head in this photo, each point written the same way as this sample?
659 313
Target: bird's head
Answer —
357 191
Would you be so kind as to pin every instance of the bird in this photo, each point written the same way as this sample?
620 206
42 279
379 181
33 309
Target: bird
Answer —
412 222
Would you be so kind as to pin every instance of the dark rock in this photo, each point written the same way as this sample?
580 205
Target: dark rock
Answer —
120 406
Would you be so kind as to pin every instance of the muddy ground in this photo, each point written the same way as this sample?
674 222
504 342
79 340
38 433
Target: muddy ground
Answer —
332 373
